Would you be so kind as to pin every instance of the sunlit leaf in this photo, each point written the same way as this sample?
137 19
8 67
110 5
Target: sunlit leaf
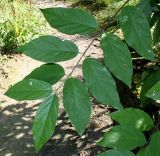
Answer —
133 117
123 137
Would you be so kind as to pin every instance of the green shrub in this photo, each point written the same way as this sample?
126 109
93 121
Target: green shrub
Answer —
20 22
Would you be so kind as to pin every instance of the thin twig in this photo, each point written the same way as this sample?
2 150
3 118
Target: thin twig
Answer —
97 34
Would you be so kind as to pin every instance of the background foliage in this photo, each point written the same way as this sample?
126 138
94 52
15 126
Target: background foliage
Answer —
20 22
137 126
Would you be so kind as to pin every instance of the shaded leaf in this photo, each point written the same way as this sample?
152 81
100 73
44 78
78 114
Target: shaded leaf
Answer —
117 54
116 153
156 33
77 104
50 49
133 117
50 73
154 92
100 83
71 20
148 83
153 148
123 137
45 121
29 89
145 7
136 31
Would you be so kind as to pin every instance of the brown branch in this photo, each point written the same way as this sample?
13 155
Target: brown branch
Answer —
96 35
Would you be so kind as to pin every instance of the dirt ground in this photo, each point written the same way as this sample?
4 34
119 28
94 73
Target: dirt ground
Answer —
16 117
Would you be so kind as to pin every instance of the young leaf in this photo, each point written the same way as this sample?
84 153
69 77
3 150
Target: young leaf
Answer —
149 82
133 117
50 73
71 20
136 31
45 121
117 54
29 89
50 49
77 104
100 83
154 92
123 137
116 153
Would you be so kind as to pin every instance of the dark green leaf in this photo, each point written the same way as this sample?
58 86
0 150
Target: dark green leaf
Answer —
50 49
77 104
45 121
148 84
29 89
133 117
153 148
117 54
50 73
156 33
123 137
100 83
154 92
70 20
116 153
145 7
136 31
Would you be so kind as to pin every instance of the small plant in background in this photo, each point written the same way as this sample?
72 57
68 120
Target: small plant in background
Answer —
137 132
20 22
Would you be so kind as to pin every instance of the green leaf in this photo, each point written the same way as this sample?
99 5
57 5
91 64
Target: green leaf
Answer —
71 20
153 148
145 7
116 153
154 92
136 31
148 84
50 73
144 152
45 121
123 137
133 117
29 89
50 49
77 104
100 83
117 54
156 33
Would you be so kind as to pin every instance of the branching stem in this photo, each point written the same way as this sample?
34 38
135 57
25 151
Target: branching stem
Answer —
97 34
